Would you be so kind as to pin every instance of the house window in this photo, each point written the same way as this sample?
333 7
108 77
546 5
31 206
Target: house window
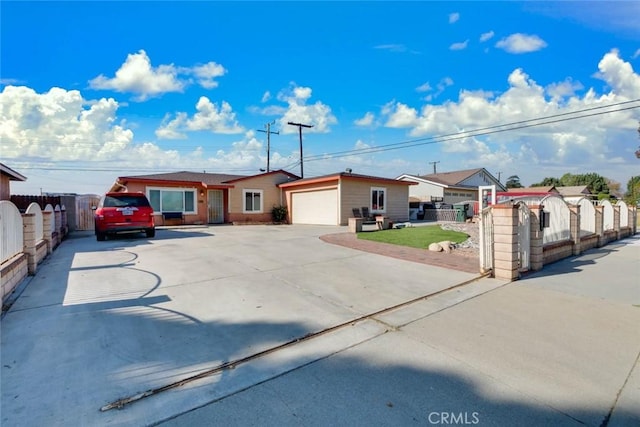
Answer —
378 199
172 200
252 201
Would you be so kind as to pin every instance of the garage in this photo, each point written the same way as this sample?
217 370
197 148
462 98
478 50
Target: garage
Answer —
315 207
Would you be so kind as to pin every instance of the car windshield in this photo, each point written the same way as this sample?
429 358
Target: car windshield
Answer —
125 201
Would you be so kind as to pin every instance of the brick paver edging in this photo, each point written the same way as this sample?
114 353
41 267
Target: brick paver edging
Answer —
460 262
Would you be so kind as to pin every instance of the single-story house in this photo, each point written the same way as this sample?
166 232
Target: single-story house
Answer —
6 176
450 187
330 199
209 198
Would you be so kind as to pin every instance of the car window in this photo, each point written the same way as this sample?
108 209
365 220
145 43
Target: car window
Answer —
125 201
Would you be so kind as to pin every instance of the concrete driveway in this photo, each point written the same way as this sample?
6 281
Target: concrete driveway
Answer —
111 320
106 320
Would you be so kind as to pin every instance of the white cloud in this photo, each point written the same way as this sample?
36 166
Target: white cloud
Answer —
591 143
486 36
318 115
454 17
266 96
207 73
136 75
619 75
208 117
564 89
59 125
636 54
392 47
521 43
366 120
441 86
425 87
459 46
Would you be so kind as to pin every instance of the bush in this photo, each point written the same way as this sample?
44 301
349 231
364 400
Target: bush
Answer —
279 213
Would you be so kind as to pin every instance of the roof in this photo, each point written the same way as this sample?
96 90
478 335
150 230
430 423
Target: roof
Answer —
185 176
574 190
284 172
13 175
345 175
454 179
536 190
451 178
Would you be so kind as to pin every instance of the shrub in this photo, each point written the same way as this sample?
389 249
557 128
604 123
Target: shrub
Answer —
279 213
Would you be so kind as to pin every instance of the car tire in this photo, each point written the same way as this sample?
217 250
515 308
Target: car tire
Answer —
100 237
151 232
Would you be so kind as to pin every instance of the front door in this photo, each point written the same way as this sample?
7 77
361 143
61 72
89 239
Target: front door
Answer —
216 207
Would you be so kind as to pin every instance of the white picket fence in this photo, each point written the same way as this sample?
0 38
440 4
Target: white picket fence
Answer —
11 235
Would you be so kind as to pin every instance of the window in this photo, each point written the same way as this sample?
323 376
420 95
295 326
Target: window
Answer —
172 200
252 201
378 199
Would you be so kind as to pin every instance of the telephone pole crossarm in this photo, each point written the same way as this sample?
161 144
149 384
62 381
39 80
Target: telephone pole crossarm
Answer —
300 126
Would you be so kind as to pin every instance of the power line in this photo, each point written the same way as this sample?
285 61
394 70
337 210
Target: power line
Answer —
523 124
472 133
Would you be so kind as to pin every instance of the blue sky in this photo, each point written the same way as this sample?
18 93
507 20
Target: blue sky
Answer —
90 91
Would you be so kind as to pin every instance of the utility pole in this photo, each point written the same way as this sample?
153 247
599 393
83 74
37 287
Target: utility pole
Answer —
499 173
268 132
434 165
300 126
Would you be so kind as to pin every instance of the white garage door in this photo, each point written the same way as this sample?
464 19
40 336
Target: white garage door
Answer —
315 207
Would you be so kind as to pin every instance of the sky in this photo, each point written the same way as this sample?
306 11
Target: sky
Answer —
90 91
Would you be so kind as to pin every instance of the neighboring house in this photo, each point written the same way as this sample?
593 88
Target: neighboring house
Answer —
210 198
6 176
450 187
575 191
330 199
549 189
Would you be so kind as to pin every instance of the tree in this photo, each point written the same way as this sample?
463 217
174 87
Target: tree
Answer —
632 196
548 182
614 188
513 182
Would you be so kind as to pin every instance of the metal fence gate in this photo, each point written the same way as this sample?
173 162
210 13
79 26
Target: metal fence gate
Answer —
486 240
524 236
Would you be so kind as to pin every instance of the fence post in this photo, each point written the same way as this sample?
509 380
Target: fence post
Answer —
29 239
600 225
536 242
505 244
616 221
574 227
47 217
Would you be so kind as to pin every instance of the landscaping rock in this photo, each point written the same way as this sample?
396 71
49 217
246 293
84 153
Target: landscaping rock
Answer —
435 247
446 246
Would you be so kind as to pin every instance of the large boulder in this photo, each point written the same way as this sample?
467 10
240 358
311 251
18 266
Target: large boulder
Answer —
435 247
446 246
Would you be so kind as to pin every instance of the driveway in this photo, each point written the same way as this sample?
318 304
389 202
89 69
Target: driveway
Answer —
108 320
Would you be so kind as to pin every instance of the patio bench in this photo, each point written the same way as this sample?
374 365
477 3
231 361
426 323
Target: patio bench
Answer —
172 216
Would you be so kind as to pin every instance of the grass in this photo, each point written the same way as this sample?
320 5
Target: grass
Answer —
415 237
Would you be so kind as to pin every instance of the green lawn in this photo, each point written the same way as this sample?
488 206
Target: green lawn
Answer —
415 237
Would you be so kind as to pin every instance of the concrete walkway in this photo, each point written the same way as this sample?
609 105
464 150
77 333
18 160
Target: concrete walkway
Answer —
105 321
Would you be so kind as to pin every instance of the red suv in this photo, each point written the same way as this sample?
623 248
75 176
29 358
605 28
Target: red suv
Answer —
124 213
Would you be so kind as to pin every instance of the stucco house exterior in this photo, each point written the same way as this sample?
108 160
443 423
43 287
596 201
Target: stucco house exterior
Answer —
330 199
6 176
450 187
209 198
